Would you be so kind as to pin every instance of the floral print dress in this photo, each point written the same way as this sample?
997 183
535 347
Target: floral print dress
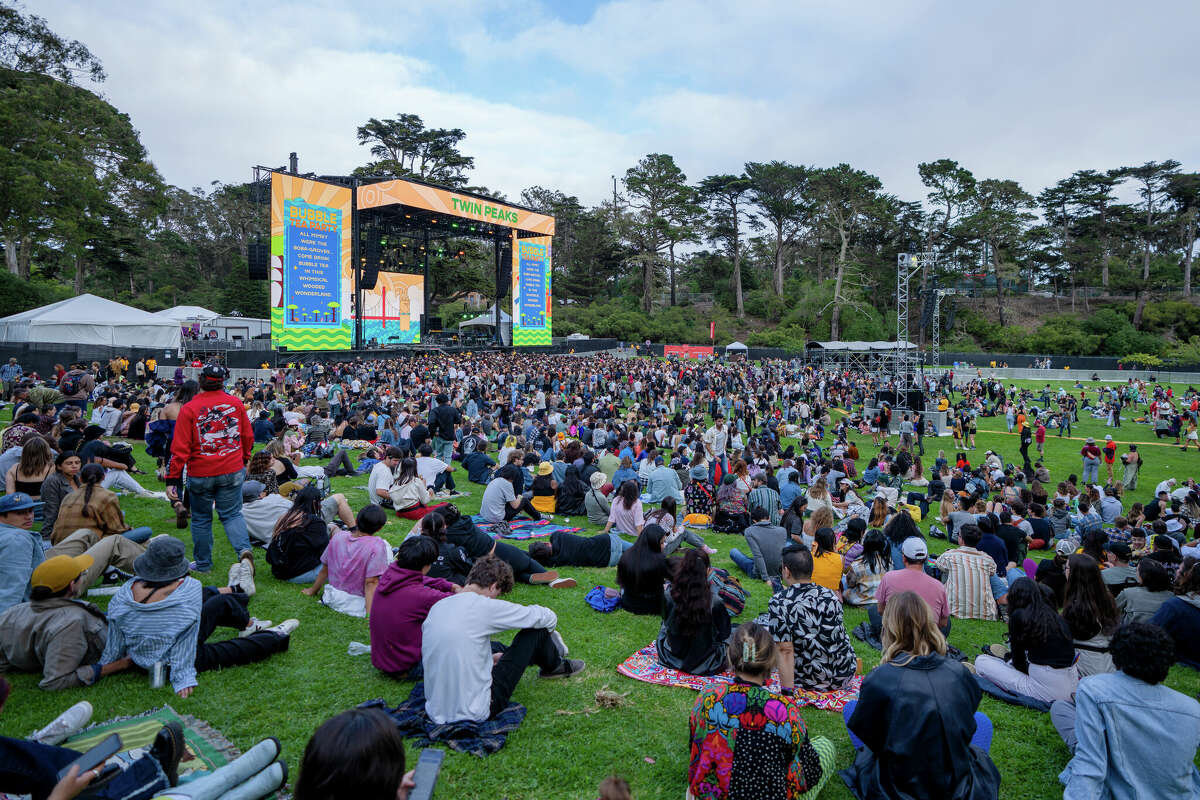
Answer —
749 743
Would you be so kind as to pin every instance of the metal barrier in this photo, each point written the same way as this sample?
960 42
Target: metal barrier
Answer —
965 374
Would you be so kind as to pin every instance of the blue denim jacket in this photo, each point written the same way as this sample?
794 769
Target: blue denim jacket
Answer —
1136 741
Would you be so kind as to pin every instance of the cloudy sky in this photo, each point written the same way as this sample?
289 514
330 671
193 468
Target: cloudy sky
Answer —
565 93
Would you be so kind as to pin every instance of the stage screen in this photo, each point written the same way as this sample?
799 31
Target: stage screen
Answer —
310 264
531 291
392 310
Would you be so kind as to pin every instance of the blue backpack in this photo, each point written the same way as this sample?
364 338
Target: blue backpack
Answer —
600 600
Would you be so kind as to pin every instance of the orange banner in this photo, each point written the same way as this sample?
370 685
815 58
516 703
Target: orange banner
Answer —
430 198
687 350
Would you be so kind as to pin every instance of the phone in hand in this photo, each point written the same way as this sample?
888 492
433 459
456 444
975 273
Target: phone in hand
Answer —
95 757
425 776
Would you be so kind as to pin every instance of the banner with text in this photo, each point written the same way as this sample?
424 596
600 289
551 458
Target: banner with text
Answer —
687 351
310 264
531 291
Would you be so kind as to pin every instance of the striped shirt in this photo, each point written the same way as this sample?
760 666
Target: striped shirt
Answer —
765 497
967 572
165 630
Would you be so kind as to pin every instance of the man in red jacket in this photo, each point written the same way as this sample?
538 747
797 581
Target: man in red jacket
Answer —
213 439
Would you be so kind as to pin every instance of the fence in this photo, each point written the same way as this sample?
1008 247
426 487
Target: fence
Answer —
964 374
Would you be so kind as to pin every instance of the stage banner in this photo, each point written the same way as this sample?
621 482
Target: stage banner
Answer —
687 351
392 310
531 291
310 264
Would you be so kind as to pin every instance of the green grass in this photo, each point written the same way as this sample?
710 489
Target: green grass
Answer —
553 754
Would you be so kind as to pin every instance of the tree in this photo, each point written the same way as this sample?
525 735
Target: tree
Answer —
656 186
682 215
996 216
1184 190
405 148
845 196
28 45
1152 178
724 195
777 189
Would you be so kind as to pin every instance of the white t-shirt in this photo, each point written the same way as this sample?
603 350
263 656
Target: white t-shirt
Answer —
498 493
262 514
382 477
428 468
715 441
456 651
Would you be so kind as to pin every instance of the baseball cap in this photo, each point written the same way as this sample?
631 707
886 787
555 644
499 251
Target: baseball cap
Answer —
17 501
252 489
1120 550
914 549
56 573
1064 547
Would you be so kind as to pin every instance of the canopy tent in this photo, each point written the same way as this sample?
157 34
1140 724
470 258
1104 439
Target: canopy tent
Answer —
488 320
88 319
737 347
187 314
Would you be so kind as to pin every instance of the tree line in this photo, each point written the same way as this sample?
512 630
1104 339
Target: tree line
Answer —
779 251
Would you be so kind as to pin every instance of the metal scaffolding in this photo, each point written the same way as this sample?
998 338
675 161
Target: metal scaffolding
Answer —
935 342
906 362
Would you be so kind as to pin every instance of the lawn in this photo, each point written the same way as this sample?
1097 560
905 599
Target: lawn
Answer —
560 752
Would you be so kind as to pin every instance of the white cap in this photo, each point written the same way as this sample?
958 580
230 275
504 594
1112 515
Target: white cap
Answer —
914 549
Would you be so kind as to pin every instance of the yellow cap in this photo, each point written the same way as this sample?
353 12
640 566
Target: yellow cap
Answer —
56 573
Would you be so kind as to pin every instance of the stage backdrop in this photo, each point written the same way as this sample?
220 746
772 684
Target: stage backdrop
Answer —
531 291
312 285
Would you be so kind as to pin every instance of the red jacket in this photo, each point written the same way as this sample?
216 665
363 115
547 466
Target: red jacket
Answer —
212 436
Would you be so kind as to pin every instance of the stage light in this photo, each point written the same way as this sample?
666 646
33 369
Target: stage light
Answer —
462 252
408 216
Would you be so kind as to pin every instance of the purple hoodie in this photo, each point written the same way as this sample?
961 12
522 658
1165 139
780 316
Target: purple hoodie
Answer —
401 604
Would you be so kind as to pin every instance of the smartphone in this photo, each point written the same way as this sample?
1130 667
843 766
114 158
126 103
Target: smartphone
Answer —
94 757
425 776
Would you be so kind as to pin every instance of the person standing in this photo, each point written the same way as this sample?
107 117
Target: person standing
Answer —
213 440
715 440
443 421
10 374
1091 461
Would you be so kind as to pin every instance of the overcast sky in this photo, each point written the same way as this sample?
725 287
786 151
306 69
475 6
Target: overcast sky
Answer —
565 94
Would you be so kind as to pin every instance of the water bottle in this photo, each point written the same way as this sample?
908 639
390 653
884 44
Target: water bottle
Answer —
358 649
158 675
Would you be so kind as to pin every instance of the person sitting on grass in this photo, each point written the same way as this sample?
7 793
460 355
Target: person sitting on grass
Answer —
766 543
641 572
827 562
96 508
409 493
667 518
163 615
865 573
1180 615
452 562
501 502
463 682
351 565
806 620
544 489
595 501
916 724
1114 726
568 550
354 755
626 513
299 539
1041 664
748 740
1140 603
968 573
461 531
732 514
695 623
402 601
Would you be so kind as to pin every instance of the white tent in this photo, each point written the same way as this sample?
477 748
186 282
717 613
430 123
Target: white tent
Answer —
488 319
736 347
88 319
187 314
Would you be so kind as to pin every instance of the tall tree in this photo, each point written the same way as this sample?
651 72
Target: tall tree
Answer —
777 189
996 216
404 147
655 187
683 227
1152 180
724 195
1184 190
846 197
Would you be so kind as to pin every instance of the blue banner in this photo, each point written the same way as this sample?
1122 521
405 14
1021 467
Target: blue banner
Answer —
312 264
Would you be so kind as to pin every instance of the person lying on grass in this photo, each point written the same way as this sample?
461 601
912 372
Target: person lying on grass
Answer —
463 681
351 565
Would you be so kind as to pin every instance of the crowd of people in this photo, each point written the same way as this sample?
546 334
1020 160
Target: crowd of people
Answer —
647 453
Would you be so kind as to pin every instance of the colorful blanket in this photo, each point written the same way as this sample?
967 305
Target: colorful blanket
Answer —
521 528
643 666
477 738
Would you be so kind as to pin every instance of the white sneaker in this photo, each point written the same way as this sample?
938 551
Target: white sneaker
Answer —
255 626
246 576
285 628
67 724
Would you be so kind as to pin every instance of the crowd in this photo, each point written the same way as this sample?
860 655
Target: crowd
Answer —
648 452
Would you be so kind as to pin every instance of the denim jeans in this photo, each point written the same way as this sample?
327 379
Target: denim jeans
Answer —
444 480
443 449
32 768
616 548
140 535
224 491
252 775
712 468
1000 585
306 577
745 564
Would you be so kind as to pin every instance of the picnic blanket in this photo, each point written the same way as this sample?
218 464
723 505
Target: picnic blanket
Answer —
643 666
477 738
521 528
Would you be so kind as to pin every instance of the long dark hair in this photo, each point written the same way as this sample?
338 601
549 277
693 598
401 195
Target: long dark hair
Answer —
357 754
186 392
1088 606
628 494
90 477
644 562
1041 620
795 511
825 540
407 471
433 525
876 552
901 527
306 504
690 592
669 508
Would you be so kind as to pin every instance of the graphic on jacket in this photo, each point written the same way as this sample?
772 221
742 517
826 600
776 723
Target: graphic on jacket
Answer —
217 431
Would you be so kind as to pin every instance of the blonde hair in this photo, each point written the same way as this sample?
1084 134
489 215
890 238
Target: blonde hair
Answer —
752 650
822 517
909 629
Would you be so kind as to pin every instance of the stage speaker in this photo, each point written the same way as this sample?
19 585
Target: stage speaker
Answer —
435 323
258 254
915 400
370 276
